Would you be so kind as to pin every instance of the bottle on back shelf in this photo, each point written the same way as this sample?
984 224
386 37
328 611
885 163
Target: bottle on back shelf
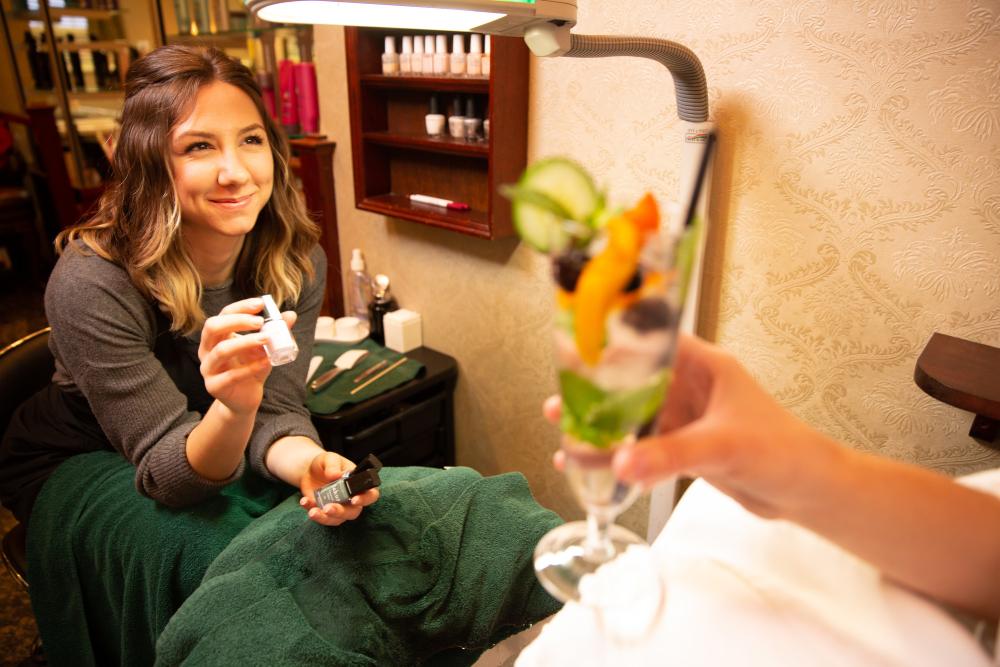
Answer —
359 288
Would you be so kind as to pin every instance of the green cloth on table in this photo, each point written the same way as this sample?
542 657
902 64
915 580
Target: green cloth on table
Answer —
437 570
108 567
338 393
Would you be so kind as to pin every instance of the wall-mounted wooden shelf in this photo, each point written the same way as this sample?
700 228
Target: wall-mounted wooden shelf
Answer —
394 157
964 374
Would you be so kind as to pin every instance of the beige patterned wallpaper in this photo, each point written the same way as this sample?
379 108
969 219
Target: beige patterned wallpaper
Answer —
856 210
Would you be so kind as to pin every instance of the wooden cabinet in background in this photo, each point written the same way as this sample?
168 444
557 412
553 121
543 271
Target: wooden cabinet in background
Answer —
394 157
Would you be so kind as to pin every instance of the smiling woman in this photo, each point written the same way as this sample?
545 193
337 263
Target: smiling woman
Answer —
154 303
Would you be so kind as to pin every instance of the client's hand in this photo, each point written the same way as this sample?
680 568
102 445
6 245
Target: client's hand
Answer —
718 423
324 468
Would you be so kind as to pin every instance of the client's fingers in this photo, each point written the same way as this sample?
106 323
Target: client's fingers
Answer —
552 408
687 451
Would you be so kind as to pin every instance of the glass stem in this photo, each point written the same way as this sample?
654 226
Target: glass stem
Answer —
598 546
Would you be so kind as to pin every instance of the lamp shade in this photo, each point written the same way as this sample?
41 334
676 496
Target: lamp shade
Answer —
497 17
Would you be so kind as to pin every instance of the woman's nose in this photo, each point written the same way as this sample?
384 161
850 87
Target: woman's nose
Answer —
232 171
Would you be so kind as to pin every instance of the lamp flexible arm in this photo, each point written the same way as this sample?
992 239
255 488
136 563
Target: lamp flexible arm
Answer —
684 66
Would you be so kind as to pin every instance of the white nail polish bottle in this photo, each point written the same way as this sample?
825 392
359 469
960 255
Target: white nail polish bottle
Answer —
280 346
457 55
474 60
417 61
428 55
441 55
390 59
406 56
487 57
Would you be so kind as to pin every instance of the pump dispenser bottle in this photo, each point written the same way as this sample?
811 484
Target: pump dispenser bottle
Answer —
359 286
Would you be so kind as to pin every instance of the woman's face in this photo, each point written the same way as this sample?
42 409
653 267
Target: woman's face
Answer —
222 164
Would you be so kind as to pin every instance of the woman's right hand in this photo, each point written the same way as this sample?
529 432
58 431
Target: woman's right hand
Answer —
235 365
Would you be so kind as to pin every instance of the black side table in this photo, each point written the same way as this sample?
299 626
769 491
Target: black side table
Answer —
412 424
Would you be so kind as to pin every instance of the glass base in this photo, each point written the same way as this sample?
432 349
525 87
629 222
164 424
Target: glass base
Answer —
562 557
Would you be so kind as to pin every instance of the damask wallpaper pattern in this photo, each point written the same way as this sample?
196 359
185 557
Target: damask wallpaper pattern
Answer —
856 210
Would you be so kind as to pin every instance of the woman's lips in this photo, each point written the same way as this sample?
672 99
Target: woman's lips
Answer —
231 202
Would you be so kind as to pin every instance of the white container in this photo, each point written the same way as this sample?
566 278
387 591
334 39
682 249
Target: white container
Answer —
402 330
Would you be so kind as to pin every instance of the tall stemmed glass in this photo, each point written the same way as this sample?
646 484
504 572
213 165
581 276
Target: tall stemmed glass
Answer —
619 305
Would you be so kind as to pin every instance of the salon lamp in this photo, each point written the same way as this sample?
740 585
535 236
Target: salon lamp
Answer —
545 26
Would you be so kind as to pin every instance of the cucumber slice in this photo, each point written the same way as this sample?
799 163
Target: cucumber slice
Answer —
549 192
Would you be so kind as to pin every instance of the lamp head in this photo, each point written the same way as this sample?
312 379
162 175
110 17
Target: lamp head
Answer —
495 17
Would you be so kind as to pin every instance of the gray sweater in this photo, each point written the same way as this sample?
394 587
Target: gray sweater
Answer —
143 384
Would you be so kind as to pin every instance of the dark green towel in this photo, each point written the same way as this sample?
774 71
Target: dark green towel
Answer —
442 561
109 567
338 393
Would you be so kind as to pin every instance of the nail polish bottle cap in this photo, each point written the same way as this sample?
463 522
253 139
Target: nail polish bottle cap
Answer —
435 106
457 44
271 311
442 44
456 107
475 43
390 44
428 43
470 107
407 44
418 45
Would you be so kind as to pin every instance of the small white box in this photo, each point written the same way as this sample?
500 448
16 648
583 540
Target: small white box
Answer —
402 330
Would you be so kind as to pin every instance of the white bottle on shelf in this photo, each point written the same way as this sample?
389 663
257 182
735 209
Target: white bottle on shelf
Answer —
487 58
441 55
406 56
417 61
457 55
359 288
428 55
390 59
474 59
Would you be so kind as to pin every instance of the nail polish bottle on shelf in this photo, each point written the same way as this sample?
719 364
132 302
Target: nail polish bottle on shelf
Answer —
471 123
474 59
434 119
487 58
406 56
486 129
417 61
456 121
441 55
428 55
390 59
457 55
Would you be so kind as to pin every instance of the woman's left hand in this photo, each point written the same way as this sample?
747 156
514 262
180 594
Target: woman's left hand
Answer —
327 467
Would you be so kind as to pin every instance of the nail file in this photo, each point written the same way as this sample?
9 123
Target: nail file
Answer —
313 367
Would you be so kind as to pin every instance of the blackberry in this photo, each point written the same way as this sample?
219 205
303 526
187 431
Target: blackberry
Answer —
567 267
635 283
648 314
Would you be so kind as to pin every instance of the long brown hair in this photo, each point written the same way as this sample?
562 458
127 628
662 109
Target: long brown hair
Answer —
137 223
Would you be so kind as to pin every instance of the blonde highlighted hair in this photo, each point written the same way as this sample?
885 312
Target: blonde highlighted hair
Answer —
138 221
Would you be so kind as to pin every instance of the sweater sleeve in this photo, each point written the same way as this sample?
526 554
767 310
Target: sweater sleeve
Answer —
283 411
103 333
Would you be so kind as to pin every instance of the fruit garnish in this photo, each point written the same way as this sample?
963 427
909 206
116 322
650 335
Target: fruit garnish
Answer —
554 204
608 273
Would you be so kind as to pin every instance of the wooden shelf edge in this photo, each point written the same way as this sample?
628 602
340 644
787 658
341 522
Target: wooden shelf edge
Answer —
961 373
445 145
473 223
451 84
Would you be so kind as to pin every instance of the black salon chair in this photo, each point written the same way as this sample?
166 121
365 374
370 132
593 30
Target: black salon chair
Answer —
26 365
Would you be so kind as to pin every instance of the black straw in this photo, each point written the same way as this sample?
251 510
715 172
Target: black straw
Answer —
699 179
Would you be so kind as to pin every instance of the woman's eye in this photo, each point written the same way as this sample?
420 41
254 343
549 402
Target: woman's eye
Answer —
197 146
255 139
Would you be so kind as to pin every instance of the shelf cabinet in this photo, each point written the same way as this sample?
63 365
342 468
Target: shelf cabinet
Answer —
394 157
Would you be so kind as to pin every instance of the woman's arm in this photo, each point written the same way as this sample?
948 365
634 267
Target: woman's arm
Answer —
920 528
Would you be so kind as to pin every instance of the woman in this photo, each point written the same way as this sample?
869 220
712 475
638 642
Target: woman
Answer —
154 303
